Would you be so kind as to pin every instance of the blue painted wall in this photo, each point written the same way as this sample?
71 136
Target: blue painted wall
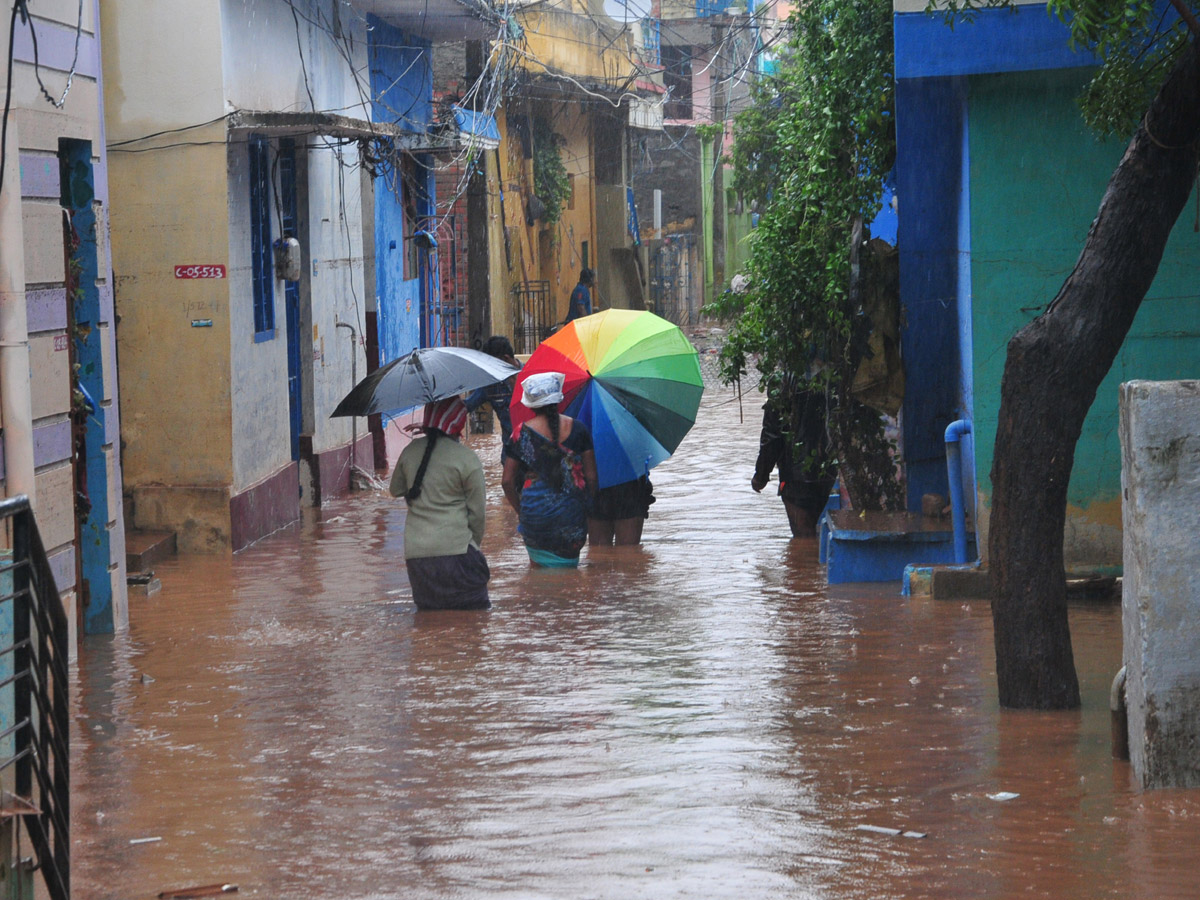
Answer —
402 82
930 129
933 180
998 179
1017 39
401 77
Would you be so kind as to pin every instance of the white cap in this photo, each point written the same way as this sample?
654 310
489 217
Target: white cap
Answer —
543 389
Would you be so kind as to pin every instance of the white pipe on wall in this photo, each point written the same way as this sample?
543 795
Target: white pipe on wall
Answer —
16 410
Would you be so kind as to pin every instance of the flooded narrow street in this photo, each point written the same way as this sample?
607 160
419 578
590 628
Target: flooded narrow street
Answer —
702 718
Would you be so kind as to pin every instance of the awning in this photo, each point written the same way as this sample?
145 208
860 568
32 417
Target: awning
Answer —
331 125
476 129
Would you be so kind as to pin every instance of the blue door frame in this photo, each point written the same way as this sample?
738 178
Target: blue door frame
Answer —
77 195
291 291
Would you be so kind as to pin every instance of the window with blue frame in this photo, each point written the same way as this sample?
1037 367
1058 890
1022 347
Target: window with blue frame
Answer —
263 272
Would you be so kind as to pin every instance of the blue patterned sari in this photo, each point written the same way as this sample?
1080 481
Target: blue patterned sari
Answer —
554 498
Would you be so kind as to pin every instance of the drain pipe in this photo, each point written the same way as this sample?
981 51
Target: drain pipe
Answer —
1119 712
16 409
353 383
958 512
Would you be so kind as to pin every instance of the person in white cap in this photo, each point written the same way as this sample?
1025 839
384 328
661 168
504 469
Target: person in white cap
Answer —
550 475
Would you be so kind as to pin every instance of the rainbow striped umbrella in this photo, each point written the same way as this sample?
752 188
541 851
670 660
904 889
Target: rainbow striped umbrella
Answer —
633 378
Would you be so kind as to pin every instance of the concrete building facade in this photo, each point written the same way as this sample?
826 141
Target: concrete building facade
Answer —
271 193
59 401
997 180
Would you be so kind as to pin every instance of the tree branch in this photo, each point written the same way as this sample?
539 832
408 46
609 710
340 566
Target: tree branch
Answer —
1188 16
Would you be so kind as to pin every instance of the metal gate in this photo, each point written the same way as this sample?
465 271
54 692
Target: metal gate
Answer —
670 280
534 315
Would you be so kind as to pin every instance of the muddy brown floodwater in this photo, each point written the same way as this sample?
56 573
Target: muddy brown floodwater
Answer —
702 718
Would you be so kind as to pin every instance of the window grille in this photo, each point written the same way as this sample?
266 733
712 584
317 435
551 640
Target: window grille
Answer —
263 272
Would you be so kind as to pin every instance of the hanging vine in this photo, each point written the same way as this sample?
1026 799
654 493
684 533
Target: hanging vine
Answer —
550 181
813 152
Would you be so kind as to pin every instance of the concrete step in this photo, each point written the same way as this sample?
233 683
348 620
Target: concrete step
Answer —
145 549
879 546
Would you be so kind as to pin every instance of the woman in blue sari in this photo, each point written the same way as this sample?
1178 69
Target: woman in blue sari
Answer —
550 475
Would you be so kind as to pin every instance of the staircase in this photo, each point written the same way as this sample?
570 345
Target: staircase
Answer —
143 551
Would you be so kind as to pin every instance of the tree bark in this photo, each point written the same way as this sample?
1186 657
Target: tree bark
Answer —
1053 368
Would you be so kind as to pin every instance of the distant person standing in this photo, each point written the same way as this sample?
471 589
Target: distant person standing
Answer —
497 395
804 482
580 303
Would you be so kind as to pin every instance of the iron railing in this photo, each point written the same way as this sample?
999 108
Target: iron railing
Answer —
534 314
34 741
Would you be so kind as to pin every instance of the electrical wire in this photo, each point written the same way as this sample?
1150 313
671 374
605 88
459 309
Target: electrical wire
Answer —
21 9
57 104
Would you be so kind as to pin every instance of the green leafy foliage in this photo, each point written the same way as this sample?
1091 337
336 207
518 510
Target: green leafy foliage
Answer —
813 151
550 181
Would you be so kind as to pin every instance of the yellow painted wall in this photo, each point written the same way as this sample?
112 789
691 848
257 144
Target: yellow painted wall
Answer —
566 42
540 252
578 224
174 378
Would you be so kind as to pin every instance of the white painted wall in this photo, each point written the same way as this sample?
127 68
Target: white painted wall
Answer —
263 72
264 42
338 287
1160 474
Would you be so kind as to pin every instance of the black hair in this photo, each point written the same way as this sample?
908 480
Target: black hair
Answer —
498 346
550 411
587 276
431 436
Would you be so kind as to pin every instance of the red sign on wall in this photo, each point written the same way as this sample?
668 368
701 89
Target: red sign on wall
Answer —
60 342
199 271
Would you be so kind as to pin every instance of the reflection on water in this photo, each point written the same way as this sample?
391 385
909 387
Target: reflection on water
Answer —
697 718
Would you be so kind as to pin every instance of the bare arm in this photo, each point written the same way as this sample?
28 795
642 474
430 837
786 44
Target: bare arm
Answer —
512 473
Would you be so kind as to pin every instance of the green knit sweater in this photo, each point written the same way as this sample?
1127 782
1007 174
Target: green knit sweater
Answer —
448 515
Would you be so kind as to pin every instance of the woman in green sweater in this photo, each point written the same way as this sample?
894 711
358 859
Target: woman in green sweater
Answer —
442 482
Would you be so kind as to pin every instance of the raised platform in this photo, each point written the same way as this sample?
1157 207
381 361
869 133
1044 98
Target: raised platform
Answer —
877 546
145 549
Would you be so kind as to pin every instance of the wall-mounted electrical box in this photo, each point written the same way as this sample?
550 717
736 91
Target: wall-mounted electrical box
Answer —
287 259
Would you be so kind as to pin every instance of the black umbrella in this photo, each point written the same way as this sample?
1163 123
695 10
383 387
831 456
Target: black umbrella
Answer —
420 377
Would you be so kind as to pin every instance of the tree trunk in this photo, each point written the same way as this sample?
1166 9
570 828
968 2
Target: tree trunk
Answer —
1053 368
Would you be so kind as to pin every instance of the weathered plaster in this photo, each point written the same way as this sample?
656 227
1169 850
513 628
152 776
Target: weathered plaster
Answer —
1160 443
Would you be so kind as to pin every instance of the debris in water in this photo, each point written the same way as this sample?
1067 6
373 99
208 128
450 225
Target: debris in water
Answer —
879 829
914 834
149 840
202 890
1003 795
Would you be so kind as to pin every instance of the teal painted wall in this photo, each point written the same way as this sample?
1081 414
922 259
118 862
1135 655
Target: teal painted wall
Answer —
1036 179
